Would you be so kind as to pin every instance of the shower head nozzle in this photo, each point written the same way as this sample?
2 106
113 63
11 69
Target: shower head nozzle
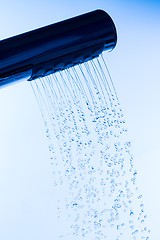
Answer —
56 47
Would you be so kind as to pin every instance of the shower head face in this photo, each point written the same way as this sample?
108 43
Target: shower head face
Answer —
57 46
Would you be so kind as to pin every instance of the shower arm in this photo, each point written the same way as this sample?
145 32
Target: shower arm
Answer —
56 47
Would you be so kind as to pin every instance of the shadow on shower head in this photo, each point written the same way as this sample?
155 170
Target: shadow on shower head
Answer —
56 47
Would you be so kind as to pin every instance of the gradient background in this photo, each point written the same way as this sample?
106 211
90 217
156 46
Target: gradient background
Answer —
27 210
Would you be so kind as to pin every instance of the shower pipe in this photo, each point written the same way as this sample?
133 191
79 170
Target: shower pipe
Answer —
56 47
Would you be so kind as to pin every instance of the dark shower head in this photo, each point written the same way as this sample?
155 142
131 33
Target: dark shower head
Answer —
56 47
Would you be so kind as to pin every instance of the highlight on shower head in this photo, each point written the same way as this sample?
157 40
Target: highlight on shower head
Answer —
56 47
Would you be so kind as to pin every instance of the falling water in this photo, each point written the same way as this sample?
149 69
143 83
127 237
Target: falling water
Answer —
92 162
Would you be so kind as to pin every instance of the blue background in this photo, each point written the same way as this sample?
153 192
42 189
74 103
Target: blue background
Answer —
26 197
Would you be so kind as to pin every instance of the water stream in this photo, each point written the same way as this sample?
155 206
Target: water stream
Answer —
93 172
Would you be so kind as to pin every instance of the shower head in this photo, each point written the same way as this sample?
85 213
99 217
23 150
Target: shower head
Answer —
56 47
